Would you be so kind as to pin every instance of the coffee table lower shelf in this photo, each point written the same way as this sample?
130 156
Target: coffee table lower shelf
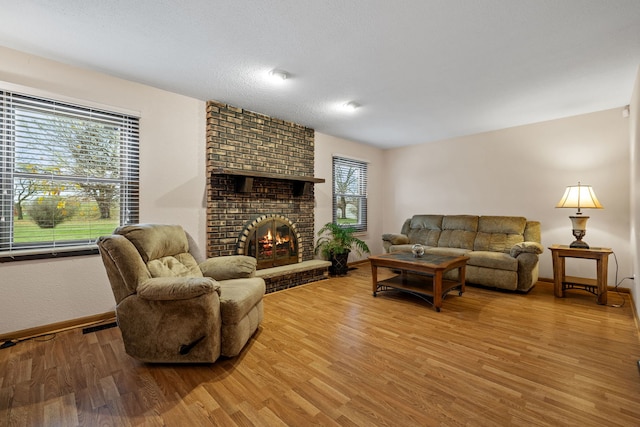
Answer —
418 285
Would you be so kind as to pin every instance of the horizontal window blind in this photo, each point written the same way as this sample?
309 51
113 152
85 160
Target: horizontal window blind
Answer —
68 174
350 193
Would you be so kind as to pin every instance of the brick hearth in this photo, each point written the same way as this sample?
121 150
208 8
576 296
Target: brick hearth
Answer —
288 276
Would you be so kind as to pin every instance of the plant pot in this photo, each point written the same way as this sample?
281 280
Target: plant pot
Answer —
339 266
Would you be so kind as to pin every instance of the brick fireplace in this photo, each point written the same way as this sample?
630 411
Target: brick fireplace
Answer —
260 166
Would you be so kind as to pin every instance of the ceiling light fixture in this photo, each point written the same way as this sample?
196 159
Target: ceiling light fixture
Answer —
351 106
278 75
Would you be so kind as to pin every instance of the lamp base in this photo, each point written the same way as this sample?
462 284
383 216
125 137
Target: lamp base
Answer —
579 232
579 244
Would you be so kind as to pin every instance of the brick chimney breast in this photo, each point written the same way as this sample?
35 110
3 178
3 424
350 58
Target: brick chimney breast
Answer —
242 140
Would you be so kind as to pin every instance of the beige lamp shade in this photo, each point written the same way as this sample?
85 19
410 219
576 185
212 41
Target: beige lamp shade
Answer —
579 196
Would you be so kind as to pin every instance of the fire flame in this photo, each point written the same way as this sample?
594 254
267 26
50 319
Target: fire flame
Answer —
267 241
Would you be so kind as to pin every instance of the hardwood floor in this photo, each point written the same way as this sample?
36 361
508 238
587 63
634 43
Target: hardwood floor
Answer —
329 353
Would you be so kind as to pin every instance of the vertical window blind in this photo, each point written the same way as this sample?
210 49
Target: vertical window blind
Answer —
68 174
350 193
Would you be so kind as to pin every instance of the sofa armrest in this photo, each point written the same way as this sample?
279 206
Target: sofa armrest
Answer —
395 239
176 288
229 267
526 247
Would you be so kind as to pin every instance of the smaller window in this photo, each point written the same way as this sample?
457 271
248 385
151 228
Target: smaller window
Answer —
350 193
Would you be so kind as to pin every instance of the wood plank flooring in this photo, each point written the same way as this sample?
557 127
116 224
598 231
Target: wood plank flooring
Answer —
331 354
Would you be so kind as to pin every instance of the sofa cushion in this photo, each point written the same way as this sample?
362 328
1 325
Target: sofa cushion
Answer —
499 233
447 251
424 236
425 229
496 242
488 259
458 231
431 222
502 224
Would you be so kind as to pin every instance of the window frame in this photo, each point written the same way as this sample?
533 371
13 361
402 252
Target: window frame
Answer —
125 122
358 191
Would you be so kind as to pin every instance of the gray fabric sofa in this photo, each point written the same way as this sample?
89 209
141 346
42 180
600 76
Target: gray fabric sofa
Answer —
503 251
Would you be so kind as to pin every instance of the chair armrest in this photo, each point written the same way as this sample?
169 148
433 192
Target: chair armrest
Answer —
396 239
176 288
526 247
229 267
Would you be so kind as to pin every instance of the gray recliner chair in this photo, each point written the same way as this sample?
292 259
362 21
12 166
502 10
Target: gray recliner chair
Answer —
172 305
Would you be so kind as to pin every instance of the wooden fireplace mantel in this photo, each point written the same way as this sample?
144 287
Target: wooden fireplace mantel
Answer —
244 180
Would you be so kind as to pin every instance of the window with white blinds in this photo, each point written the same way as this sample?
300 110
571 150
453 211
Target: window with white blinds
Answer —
350 193
68 174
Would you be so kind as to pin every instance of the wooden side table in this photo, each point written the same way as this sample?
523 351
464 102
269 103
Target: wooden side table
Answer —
562 282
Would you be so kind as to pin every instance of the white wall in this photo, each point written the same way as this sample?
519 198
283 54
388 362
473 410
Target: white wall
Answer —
634 131
325 147
172 188
518 171
523 171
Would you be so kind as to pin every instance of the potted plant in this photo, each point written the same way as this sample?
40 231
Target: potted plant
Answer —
335 243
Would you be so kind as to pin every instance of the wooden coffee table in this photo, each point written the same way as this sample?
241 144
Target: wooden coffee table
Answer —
420 276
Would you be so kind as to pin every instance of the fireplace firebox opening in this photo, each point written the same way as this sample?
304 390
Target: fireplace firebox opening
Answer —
272 239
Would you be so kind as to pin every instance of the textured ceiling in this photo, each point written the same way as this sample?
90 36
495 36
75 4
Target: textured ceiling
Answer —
422 70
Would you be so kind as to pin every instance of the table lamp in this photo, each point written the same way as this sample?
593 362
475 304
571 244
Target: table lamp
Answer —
580 197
